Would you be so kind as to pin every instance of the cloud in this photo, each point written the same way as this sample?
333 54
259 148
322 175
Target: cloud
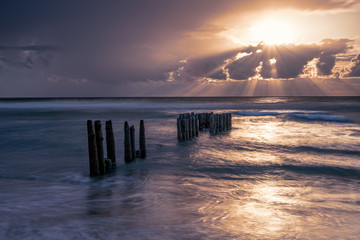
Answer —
35 48
355 69
280 61
329 49
56 79
26 57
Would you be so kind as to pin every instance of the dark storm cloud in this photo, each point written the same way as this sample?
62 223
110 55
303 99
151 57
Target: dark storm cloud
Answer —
290 60
355 69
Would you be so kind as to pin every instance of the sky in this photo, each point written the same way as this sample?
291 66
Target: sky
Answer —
120 48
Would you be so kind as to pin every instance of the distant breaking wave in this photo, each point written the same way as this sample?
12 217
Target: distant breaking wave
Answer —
315 116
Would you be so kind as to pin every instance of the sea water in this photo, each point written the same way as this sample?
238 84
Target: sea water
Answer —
288 169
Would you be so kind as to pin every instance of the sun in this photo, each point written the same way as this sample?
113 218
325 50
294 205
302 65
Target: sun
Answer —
273 31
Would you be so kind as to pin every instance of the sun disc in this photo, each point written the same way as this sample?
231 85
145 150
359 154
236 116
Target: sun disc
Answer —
273 32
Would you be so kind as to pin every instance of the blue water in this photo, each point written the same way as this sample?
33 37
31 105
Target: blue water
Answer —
289 169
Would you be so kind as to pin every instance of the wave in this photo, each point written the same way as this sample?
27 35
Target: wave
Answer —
241 171
311 116
257 113
291 149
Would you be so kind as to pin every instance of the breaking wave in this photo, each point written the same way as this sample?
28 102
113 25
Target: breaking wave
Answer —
312 116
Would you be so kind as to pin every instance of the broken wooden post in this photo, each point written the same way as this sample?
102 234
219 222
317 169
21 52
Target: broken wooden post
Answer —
127 143
132 141
142 141
100 147
110 143
93 159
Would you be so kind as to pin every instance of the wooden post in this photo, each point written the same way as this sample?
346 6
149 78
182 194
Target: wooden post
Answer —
190 128
193 126
179 132
230 123
223 128
227 121
192 123
220 124
93 160
142 141
127 143
187 128
215 123
108 165
200 121
219 116
211 121
100 147
110 143
132 141
183 129
197 125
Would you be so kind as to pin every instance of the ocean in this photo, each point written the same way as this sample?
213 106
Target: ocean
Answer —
288 169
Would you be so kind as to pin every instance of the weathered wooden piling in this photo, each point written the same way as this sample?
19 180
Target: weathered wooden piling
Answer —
142 141
100 147
110 143
230 120
127 143
183 129
197 125
223 121
178 123
194 126
189 125
212 123
187 129
190 128
132 141
92 148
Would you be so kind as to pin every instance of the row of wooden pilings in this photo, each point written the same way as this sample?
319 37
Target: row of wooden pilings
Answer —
100 165
189 124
